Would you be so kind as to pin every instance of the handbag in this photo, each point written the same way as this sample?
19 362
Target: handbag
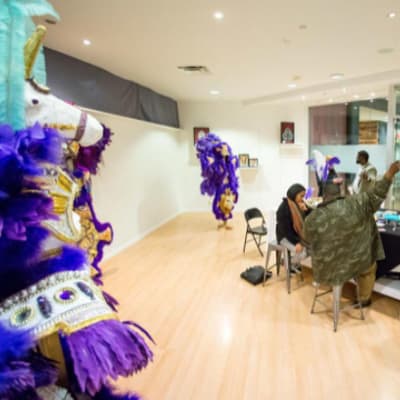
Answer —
255 274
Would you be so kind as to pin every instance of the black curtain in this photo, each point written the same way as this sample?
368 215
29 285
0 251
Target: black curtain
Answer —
92 87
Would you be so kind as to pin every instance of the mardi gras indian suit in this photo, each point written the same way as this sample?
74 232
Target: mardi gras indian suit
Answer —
218 170
56 322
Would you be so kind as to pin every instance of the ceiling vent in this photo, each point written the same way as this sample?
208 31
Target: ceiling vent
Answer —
194 69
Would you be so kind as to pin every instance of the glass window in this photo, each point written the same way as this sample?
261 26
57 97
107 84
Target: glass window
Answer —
395 203
342 130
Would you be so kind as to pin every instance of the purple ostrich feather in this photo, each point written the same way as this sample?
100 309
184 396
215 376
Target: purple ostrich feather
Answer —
218 171
308 193
89 157
321 165
112 349
22 370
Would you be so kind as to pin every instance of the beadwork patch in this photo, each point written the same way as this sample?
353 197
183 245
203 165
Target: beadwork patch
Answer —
22 316
65 295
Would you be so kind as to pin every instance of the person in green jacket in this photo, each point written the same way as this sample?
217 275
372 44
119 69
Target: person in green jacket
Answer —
343 238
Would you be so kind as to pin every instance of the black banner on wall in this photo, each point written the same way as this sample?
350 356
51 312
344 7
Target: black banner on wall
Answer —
92 87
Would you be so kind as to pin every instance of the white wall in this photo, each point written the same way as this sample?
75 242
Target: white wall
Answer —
151 173
138 187
253 129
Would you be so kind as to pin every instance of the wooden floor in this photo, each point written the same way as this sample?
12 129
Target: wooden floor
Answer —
219 337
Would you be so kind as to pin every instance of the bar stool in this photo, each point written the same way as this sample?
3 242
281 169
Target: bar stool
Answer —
279 249
337 294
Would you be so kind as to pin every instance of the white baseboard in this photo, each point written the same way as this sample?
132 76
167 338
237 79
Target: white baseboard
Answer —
113 252
135 239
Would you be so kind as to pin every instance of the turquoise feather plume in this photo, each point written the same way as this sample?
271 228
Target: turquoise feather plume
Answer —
15 28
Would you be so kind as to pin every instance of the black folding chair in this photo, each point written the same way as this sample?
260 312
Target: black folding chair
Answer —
256 231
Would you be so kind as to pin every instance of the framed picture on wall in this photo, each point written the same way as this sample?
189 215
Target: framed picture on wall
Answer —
253 162
287 132
243 160
198 133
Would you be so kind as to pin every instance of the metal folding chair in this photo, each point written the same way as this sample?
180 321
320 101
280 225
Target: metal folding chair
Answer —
257 232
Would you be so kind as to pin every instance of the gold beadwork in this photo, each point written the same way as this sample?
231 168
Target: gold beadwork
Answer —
60 203
68 330
62 127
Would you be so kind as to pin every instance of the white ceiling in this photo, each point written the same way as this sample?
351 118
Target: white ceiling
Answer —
252 54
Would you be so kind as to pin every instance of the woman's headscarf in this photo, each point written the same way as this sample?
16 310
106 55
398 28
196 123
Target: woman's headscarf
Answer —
297 214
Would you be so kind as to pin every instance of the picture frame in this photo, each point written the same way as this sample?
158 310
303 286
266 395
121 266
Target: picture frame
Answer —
199 132
287 132
253 162
243 160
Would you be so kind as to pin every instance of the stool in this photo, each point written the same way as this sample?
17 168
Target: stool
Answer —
279 249
337 294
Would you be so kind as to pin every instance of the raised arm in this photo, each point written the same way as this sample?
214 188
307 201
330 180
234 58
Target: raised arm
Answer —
370 201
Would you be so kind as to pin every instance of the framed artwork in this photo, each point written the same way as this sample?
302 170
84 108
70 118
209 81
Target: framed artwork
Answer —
253 162
198 133
243 160
287 132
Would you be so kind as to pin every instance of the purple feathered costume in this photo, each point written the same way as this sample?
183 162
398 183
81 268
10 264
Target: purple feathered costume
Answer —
218 170
103 348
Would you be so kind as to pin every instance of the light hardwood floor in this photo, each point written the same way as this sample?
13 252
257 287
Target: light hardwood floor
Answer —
219 337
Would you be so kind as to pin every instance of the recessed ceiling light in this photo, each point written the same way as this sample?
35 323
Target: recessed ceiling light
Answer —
214 92
292 85
385 50
303 97
372 94
344 90
330 100
391 15
336 75
87 42
218 15
356 96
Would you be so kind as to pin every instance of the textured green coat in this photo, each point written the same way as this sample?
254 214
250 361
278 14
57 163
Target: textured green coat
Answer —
343 237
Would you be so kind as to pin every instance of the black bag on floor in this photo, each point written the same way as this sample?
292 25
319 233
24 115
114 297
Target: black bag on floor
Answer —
255 275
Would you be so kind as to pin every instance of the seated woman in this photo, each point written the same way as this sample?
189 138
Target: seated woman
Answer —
289 222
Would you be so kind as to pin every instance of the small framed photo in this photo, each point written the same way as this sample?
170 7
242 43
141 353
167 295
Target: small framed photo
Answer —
243 160
287 132
253 162
198 133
